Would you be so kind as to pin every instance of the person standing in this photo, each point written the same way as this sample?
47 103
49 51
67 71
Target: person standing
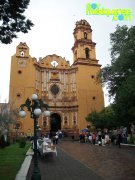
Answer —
56 138
90 138
119 138
99 137
132 129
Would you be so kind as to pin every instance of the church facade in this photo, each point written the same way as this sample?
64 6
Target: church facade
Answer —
71 91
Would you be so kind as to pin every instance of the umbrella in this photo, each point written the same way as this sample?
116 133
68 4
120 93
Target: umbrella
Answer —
84 130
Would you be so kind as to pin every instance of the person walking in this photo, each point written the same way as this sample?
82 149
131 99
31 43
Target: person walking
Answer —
94 138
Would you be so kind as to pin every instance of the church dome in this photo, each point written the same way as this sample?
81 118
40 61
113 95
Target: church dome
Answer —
82 22
82 25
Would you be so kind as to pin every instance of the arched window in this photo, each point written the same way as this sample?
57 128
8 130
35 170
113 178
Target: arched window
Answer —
85 35
87 53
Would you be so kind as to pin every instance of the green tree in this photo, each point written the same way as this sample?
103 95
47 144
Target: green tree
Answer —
103 119
94 118
124 105
120 75
122 63
12 20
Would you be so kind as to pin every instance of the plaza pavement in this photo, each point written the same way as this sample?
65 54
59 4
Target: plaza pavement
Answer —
81 161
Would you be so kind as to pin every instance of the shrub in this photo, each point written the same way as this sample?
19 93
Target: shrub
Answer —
22 142
2 142
7 143
132 140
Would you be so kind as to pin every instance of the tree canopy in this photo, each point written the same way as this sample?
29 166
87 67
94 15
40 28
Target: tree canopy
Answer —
120 77
122 71
123 59
12 20
103 119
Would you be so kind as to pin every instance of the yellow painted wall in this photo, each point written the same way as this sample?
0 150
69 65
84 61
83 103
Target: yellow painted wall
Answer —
23 83
87 89
76 82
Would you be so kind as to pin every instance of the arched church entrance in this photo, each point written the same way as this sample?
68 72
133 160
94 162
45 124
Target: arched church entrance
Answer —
55 122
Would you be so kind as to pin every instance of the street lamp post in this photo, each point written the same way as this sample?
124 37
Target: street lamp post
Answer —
35 107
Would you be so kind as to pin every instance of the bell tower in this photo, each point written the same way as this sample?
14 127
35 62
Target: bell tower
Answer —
89 93
22 74
84 47
22 82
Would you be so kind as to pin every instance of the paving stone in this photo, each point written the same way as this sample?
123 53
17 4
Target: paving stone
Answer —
80 161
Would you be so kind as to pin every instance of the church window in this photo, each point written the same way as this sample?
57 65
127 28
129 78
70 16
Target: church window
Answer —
92 76
87 53
18 95
85 35
17 126
19 72
22 54
74 122
54 89
54 63
83 22
65 122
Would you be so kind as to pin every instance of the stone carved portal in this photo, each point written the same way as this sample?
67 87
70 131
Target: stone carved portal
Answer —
55 122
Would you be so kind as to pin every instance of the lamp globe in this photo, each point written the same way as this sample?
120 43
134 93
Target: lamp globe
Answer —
37 111
22 114
46 113
34 97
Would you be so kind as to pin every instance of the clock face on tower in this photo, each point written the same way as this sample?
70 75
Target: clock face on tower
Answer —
21 62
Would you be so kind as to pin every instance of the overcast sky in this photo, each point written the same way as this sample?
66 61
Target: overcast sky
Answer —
53 32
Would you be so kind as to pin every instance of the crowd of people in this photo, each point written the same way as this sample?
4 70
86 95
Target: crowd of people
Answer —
105 137
55 136
99 137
